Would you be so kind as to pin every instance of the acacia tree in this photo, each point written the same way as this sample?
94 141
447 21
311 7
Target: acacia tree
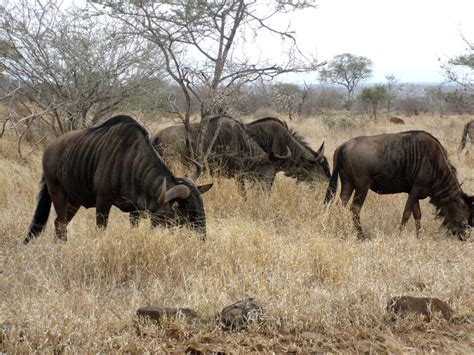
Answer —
70 69
348 70
374 98
203 44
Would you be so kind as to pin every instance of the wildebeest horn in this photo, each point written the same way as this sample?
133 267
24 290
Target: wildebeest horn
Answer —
321 150
283 157
162 198
198 171
179 191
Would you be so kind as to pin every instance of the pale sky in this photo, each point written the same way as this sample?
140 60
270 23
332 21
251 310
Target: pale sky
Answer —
401 37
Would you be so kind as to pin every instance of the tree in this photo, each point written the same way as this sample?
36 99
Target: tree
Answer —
460 69
347 70
373 98
71 69
203 44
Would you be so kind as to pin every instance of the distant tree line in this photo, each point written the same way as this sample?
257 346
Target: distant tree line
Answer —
65 67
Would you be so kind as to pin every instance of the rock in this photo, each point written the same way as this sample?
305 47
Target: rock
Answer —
156 313
240 315
8 329
404 306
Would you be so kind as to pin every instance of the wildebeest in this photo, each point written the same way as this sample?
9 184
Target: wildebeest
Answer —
274 136
112 164
414 162
396 120
468 131
234 153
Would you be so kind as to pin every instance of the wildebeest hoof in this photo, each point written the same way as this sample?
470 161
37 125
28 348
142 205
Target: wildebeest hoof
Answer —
240 315
404 306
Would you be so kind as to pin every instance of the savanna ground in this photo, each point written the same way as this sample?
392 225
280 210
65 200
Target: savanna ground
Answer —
323 290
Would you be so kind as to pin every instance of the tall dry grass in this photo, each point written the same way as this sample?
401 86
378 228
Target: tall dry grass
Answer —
322 289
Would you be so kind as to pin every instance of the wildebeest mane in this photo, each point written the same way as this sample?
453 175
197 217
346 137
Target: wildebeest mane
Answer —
300 139
123 120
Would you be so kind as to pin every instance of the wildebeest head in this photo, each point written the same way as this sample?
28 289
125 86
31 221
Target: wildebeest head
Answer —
313 168
183 204
462 218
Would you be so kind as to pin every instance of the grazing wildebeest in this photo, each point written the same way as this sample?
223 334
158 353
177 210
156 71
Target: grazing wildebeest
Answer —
396 120
274 136
468 131
234 153
112 164
414 162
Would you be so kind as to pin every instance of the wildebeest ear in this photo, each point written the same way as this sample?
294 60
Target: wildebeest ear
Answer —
204 188
321 150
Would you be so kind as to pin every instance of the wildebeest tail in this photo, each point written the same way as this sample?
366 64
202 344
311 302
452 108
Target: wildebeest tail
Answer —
464 136
332 188
43 206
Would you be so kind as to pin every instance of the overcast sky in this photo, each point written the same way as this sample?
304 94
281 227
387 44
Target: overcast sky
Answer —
401 37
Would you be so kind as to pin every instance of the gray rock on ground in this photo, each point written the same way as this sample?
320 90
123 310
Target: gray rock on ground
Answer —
240 315
157 313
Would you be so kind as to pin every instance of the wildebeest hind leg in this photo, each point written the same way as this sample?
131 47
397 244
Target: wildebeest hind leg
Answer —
59 198
346 191
359 198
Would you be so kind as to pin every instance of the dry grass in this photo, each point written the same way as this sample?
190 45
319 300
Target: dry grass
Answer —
323 290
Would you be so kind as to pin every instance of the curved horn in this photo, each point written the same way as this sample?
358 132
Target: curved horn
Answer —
179 191
162 198
321 150
284 157
198 171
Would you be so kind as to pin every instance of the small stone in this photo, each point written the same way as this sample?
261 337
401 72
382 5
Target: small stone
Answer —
240 315
156 313
404 306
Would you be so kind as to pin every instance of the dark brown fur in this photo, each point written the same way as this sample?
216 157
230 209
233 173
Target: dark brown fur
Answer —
234 154
396 120
113 164
413 162
468 131
274 136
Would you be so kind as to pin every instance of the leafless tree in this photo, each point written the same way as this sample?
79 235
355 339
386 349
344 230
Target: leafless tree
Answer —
460 69
71 69
204 45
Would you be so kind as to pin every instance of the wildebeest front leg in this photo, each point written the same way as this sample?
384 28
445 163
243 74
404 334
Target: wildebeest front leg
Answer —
102 212
134 218
417 217
359 198
59 198
409 209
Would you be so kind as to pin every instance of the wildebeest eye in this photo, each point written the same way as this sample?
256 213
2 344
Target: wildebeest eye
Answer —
174 206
